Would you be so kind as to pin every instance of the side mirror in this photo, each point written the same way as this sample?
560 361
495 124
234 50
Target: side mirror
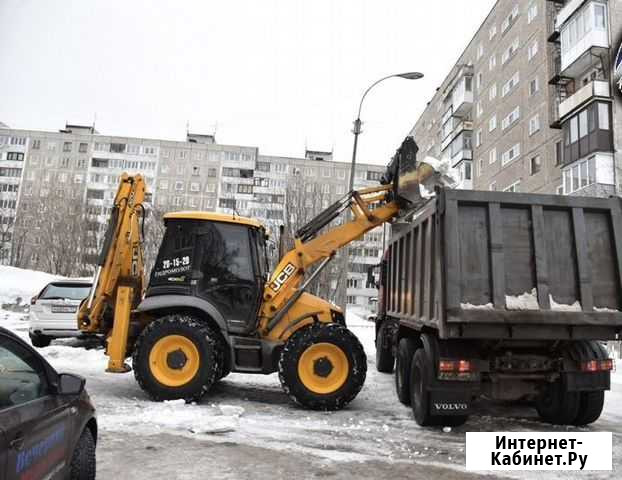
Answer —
69 384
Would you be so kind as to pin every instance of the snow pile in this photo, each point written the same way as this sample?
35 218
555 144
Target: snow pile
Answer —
526 301
19 283
175 416
449 176
470 306
606 310
562 307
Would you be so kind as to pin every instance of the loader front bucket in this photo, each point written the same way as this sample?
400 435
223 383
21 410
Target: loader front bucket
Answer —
404 174
409 176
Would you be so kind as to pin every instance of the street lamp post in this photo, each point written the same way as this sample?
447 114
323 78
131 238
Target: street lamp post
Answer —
357 123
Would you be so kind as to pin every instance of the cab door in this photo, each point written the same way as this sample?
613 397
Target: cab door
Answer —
229 275
37 424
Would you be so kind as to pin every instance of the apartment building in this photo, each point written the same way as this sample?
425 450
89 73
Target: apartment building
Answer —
528 106
79 165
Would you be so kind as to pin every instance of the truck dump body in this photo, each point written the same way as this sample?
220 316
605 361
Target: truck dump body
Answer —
492 265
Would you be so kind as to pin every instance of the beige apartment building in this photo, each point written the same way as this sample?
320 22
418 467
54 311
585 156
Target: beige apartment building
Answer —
77 166
530 106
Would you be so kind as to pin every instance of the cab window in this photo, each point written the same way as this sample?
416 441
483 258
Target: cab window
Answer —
22 377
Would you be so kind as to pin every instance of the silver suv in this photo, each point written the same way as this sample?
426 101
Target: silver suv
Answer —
53 312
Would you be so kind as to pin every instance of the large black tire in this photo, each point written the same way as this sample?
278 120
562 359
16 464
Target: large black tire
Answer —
403 362
420 380
558 406
590 407
302 354
39 340
191 330
384 354
82 465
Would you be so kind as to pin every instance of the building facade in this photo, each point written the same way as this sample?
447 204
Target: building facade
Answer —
529 105
77 166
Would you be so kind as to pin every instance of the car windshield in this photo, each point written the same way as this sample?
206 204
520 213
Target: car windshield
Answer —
69 291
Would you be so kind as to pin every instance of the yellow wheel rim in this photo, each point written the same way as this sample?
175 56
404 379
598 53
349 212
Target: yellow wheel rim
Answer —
323 368
174 360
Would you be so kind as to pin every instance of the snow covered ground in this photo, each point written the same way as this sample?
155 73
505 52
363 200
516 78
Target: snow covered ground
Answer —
247 427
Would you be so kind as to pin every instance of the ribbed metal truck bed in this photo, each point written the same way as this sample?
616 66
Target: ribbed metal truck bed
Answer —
475 264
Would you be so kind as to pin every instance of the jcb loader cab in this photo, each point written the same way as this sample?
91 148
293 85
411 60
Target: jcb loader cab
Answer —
212 307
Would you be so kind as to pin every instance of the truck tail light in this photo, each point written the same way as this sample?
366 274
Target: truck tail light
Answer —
454 366
597 365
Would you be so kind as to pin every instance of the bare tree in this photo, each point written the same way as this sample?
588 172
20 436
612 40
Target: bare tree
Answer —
153 233
305 199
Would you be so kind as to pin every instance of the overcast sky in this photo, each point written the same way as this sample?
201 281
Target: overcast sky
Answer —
276 74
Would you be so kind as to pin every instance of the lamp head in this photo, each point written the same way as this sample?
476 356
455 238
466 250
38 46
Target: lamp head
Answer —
410 75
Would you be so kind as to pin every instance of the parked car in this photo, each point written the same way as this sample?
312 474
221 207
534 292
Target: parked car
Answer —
53 311
48 427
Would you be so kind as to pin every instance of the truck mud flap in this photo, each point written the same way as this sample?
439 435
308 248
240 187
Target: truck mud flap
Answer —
453 398
586 382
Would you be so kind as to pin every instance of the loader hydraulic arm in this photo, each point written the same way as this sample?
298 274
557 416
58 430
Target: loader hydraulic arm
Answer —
370 208
118 283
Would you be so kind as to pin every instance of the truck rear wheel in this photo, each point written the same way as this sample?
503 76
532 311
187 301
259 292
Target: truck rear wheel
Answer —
403 363
590 407
384 353
323 367
420 395
176 357
558 406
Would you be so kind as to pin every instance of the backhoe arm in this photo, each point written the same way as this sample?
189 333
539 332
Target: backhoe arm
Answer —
118 283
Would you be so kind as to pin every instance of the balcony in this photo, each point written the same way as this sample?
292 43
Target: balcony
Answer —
459 94
594 89
584 29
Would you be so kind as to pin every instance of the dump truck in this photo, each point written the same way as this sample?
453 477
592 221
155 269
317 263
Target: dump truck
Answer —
506 296
212 306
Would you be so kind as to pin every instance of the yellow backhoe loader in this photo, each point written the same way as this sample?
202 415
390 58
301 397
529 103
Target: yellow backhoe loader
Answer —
211 306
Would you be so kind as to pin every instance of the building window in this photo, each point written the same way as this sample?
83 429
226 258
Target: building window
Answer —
558 153
492 62
533 86
479 109
513 188
492 123
534 124
480 51
242 188
195 187
532 12
535 165
579 175
36 144
149 150
492 156
478 138
493 187
179 186
492 32
195 171
512 117
210 187
83 147
480 80
66 146
533 50
511 154
510 51
15 156
480 167
510 84
492 93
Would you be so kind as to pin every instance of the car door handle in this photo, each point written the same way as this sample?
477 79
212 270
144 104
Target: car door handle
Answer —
17 443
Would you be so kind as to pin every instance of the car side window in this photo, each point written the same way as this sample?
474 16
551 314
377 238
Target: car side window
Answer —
22 376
